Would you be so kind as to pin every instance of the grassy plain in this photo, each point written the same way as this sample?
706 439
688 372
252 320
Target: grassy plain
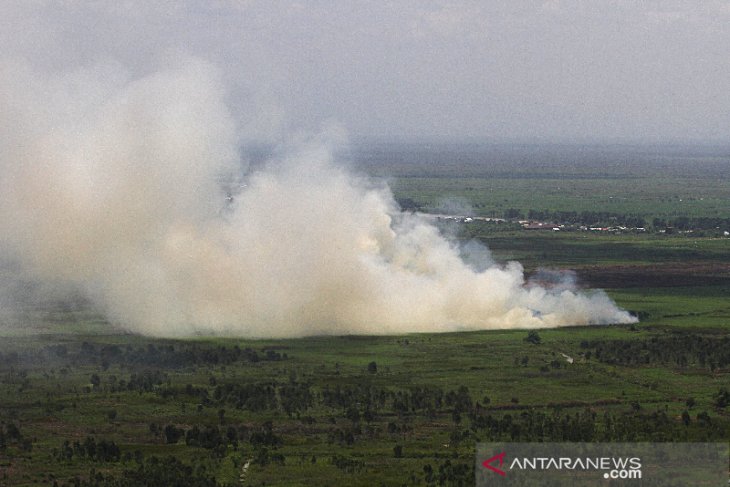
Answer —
392 410
647 196
652 182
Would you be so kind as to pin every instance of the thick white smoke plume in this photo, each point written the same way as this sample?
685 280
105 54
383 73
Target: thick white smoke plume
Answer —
113 185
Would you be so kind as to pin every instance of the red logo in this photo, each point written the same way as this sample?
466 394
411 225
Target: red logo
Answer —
500 457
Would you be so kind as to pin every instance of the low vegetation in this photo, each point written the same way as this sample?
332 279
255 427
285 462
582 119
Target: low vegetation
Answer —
84 404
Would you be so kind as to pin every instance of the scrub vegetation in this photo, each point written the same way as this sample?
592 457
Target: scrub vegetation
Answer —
83 403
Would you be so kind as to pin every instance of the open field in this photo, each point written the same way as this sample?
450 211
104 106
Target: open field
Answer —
424 402
250 243
651 182
392 410
433 396
652 197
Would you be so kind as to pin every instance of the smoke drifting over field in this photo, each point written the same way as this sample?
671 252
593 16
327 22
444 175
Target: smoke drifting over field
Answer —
112 185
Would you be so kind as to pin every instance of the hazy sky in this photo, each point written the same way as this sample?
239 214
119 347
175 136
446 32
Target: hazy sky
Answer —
553 70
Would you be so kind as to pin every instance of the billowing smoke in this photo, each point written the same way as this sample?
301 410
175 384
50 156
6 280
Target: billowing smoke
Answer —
115 185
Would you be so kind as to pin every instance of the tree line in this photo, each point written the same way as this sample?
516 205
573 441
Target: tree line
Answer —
173 356
678 349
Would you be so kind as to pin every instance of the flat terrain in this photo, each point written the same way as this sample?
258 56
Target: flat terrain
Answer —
84 403
652 182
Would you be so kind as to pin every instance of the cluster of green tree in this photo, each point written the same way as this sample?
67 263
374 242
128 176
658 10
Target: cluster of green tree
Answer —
254 396
144 381
358 394
218 439
370 399
265 436
536 425
101 451
13 375
348 435
265 444
447 473
408 204
199 436
587 426
295 397
10 435
264 456
347 464
154 356
343 436
358 403
291 397
191 391
251 396
154 472
722 398
208 437
678 349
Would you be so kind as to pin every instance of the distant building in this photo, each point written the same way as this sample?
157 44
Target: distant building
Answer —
538 226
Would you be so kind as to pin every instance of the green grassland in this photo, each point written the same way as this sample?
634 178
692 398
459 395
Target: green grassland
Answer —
576 249
504 374
388 410
52 399
651 182
646 196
